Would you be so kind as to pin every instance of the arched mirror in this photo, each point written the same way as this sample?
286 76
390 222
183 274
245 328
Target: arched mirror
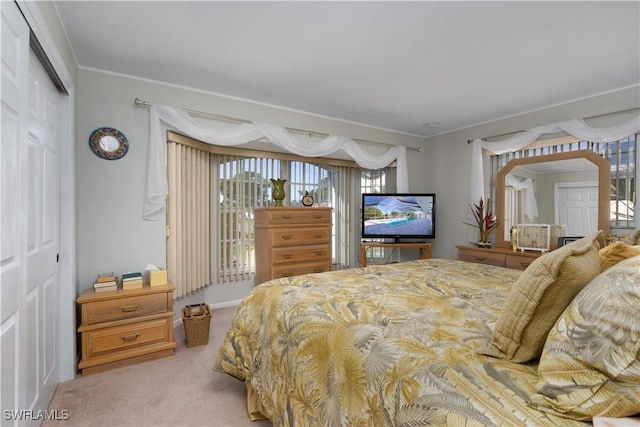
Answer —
570 189
108 143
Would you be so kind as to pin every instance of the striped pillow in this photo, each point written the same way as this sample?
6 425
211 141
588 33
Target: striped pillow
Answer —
539 297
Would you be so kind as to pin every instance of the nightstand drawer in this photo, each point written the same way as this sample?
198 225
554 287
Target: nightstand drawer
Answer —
298 269
518 262
124 308
297 236
502 257
301 254
482 258
299 216
108 340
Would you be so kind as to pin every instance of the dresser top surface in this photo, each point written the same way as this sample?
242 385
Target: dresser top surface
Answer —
90 295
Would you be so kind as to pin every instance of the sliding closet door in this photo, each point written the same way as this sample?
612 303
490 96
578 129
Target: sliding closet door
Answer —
14 91
29 285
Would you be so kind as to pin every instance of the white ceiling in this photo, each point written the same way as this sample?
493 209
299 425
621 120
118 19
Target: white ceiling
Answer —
392 65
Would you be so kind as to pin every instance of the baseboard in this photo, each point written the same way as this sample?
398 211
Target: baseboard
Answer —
225 304
177 320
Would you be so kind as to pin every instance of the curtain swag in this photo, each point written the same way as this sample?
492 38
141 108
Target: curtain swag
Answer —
577 127
163 117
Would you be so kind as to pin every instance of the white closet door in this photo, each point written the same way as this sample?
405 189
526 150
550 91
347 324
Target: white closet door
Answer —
29 285
577 208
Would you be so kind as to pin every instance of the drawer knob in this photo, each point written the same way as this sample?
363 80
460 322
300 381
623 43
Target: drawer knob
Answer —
318 235
129 338
318 253
287 216
287 274
129 308
316 216
287 236
287 256
480 259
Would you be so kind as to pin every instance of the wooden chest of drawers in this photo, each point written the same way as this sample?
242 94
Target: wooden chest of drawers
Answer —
497 256
123 327
292 241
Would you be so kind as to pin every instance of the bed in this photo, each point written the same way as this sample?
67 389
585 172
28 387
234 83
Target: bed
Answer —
417 343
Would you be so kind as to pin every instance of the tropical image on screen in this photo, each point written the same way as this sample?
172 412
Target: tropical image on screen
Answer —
398 215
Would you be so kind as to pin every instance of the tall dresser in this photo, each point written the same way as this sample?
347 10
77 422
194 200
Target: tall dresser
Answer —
292 241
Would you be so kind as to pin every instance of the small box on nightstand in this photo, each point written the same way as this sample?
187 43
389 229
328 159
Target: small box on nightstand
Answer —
157 277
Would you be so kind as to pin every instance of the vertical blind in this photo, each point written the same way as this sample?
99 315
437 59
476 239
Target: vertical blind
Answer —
188 207
242 186
330 186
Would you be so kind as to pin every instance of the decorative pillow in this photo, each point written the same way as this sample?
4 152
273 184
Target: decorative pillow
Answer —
539 297
590 365
614 253
632 239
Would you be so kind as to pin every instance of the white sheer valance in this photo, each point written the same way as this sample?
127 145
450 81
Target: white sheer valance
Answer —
577 127
163 117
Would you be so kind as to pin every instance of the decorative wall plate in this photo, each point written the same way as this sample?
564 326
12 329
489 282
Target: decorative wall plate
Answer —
108 143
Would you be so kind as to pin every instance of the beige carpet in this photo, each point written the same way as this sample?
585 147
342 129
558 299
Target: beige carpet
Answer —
180 390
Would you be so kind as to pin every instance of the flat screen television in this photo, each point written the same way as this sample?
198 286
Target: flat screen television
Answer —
399 216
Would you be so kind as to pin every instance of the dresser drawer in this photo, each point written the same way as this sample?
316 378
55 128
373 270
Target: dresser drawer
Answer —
100 342
124 308
299 236
299 216
519 262
281 271
482 258
301 254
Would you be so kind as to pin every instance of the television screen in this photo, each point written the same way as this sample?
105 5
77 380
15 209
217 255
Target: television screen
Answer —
399 216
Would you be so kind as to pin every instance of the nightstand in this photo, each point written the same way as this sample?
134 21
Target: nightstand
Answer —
122 327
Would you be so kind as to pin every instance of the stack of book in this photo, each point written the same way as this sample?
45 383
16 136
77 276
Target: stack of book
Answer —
105 282
132 280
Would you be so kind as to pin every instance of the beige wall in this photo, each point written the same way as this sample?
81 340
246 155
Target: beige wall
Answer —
56 34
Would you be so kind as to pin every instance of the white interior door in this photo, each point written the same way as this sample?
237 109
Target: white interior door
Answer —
577 207
29 285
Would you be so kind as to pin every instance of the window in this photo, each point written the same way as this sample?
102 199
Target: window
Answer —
622 199
244 185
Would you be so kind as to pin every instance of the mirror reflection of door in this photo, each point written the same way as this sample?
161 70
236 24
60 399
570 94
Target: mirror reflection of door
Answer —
577 207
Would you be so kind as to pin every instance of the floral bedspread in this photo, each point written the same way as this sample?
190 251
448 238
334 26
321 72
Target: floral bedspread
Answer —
389 345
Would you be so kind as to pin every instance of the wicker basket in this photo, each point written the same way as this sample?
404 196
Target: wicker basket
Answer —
196 319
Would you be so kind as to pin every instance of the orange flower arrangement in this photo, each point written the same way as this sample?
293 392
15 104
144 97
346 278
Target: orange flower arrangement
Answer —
486 222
